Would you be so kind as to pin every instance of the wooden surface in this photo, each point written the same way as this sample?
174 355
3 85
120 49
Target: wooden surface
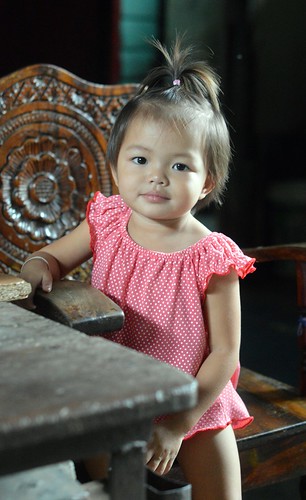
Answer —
79 306
274 445
65 395
293 252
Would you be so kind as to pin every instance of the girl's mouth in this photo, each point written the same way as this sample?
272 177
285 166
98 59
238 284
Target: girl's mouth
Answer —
155 197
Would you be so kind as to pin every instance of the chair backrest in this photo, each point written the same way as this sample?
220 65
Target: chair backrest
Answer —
54 129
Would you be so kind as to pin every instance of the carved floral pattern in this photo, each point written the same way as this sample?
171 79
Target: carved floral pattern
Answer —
51 156
40 196
99 109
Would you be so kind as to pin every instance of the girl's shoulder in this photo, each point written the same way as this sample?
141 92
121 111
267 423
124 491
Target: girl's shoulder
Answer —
216 241
105 209
220 253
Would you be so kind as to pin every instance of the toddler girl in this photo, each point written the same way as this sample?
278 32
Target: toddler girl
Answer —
176 281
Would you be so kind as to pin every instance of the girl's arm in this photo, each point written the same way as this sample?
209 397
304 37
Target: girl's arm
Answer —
222 316
223 319
58 259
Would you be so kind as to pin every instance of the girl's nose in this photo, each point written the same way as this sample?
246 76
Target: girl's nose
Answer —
157 179
157 175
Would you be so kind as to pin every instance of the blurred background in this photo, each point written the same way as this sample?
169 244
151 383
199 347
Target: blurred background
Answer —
259 49
257 46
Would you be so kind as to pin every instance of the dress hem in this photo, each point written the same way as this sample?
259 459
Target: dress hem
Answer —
241 424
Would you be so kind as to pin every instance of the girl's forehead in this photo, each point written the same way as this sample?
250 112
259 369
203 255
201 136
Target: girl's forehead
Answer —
170 124
151 133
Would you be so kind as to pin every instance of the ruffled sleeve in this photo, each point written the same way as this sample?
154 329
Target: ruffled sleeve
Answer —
222 254
105 216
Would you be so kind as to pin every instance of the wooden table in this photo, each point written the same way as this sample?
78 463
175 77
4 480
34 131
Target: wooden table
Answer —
64 395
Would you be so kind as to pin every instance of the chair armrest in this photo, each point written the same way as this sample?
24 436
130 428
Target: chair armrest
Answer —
294 252
80 306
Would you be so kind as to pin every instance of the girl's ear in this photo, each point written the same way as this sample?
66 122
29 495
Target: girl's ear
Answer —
209 185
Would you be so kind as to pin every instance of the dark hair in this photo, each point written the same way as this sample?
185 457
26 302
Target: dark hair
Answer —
180 91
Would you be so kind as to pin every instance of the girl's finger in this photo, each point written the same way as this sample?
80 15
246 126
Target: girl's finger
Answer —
154 463
149 456
46 283
164 467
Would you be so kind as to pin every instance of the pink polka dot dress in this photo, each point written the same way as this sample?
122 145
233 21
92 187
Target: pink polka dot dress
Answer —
162 297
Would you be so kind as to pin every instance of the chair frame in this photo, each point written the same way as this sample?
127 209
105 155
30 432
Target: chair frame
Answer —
55 127
273 448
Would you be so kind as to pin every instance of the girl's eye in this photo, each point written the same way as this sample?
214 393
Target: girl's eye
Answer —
181 167
139 160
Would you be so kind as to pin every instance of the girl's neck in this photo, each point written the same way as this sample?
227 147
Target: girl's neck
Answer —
166 235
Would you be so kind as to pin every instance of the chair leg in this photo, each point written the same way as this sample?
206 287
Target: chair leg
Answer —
303 488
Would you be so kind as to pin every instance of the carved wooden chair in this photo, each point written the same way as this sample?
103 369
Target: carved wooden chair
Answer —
53 133
54 129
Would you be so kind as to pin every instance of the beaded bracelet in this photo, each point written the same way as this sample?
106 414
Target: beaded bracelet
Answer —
35 257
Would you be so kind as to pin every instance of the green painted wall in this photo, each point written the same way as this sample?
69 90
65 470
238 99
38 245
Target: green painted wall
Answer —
139 20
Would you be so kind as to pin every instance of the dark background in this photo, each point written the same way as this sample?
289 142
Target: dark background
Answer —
80 36
259 49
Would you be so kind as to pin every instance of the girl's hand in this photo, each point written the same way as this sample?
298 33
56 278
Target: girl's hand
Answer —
36 273
163 447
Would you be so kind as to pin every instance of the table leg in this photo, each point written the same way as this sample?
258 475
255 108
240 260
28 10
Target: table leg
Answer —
127 478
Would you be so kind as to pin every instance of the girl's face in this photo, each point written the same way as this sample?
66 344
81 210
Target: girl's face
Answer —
160 172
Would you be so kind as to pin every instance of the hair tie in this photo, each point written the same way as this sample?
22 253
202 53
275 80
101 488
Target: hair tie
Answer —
177 82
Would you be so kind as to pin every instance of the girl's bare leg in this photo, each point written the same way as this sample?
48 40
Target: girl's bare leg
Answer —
210 462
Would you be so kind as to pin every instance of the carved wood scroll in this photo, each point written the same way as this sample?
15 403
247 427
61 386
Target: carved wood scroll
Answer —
53 133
